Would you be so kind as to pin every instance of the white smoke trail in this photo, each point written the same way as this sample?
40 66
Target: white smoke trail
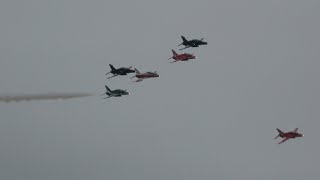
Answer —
48 96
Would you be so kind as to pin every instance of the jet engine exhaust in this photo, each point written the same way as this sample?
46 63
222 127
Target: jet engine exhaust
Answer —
48 96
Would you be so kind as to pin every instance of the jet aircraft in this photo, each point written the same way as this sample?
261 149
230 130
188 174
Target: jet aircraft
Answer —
120 71
181 57
192 43
288 135
114 93
142 76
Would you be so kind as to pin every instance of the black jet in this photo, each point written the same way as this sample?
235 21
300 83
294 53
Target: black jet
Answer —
192 43
115 93
120 71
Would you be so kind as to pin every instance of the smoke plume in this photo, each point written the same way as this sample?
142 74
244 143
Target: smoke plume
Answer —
48 96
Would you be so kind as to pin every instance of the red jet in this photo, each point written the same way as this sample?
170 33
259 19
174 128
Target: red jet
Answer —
142 76
181 57
288 135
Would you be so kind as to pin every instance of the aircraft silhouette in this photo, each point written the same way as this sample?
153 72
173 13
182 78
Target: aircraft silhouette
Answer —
114 93
142 76
288 135
121 71
192 43
181 57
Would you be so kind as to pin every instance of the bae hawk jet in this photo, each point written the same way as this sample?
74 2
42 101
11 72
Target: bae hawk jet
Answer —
192 43
288 135
120 71
181 57
142 76
114 93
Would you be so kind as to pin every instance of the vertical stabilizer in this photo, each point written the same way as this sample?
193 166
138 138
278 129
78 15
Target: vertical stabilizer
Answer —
174 53
108 90
112 68
280 133
184 39
137 71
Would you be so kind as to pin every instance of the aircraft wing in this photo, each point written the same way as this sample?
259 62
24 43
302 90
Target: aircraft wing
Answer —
285 139
184 48
112 76
138 80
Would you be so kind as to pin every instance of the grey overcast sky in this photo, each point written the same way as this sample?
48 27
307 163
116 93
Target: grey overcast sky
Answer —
211 118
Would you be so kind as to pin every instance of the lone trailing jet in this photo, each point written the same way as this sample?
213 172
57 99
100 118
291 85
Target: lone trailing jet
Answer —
288 135
115 93
192 43
145 75
121 71
181 57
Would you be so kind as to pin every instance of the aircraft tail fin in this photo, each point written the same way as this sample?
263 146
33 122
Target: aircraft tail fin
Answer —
108 90
280 133
112 68
184 39
174 53
137 71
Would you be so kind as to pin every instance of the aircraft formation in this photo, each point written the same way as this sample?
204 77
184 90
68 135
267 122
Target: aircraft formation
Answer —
176 57
122 71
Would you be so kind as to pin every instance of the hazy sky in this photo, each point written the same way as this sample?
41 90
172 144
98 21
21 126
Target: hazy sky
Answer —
211 118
